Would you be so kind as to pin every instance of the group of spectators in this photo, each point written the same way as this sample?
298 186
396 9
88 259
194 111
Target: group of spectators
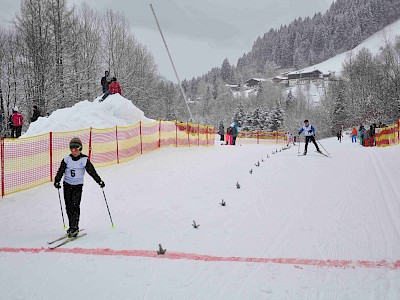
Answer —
231 133
16 120
366 137
110 85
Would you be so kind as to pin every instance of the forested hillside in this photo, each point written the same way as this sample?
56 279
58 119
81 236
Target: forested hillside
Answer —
302 43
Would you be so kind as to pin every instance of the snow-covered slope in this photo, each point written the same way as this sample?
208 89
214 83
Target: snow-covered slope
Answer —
115 110
374 43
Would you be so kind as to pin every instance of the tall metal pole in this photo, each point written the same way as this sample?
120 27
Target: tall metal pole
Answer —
173 66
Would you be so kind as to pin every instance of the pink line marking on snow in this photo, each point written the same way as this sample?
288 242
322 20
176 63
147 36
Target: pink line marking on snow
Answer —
392 265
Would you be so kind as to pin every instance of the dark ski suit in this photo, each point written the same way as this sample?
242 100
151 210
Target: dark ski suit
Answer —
74 170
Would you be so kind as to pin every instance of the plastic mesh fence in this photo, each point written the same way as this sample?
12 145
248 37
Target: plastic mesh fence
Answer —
28 162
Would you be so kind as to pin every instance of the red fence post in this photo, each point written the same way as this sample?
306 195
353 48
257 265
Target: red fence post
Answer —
398 130
90 143
207 134
141 142
2 167
51 156
176 133
116 139
187 129
159 134
198 134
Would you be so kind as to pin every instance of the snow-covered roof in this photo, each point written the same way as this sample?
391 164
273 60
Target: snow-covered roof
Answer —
257 79
303 71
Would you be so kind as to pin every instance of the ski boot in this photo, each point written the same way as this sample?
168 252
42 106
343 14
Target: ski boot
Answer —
72 232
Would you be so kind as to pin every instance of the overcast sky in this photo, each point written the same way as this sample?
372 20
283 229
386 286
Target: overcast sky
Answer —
200 34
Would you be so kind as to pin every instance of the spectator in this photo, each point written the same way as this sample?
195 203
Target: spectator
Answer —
113 89
105 81
17 121
361 132
229 135
366 136
372 135
36 113
235 132
221 131
339 136
354 135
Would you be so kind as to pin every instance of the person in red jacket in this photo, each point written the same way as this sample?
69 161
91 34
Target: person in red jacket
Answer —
17 121
114 88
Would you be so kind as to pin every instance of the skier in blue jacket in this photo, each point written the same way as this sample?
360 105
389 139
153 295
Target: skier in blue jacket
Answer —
309 133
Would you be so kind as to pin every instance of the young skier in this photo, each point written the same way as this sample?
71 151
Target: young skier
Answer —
73 168
309 133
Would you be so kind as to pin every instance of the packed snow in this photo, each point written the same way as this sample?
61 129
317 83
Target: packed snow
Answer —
299 227
115 110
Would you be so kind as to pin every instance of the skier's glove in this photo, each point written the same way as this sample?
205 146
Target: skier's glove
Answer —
299 133
102 184
310 131
57 185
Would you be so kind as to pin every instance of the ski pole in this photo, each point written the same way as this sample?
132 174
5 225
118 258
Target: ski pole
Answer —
298 149
323 147
62 213
108 208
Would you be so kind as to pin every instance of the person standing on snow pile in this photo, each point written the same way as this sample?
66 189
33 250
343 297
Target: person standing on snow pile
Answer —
105 81
113 89
73 168
221 131
309 133
354 135
17 121
36 113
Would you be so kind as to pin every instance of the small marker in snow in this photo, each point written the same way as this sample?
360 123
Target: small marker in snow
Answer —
161 250
195 225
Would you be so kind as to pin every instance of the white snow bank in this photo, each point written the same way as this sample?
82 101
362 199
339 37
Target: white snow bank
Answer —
115 110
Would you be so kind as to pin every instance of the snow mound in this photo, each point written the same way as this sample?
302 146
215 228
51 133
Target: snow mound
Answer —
115 110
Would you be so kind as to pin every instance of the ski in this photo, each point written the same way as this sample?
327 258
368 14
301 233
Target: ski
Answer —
61 238
68 240
326 155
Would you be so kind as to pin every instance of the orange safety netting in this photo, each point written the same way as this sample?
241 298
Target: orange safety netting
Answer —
31 161
261 137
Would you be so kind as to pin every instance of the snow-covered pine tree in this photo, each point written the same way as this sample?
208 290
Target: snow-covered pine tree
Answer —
240 114
277 118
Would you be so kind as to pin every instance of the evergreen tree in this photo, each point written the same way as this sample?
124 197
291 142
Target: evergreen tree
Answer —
240 114
277 118
226 71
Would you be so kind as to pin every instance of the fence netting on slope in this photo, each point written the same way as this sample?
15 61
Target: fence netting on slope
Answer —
28 162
